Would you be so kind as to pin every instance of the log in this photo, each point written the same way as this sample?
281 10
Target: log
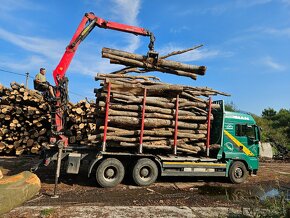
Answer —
149 109
145 62
120 76
152 123
153 115
155 133
150 67
158 131
15 190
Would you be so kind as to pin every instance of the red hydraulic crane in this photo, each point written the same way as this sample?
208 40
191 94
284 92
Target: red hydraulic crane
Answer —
86 25
59 108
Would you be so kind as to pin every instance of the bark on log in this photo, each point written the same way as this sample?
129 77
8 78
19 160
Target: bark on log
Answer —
149 109
143 61
15 190
150 67
151 123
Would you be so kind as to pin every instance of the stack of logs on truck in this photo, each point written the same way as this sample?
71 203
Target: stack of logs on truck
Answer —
155 114
129 110
140 111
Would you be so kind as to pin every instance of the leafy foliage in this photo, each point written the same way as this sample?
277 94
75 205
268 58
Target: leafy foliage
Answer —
268 113
230 107
275 125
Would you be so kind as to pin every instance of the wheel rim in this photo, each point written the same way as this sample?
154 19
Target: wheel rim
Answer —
145 173
239 173
110 173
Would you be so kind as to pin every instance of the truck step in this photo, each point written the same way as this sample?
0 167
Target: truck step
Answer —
185 158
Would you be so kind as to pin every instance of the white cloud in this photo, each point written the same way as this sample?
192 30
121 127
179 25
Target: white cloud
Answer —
46 47
279 32
27 64
269 62
92 66
47 52
179 29
251 3
222 7
16 5
127 12
42 52
286 2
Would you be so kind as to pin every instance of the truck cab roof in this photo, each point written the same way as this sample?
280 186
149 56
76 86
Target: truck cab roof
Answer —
239 117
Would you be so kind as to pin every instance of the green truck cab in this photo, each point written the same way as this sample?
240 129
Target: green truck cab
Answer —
239 138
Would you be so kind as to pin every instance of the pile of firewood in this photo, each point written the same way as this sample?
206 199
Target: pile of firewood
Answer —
125 112
24 120
82 123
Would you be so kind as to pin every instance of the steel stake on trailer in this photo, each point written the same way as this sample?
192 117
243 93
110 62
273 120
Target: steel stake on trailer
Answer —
208 126
142 122
106 117
176 125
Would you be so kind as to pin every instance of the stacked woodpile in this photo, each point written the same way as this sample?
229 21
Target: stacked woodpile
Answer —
82 123
126 103
24 120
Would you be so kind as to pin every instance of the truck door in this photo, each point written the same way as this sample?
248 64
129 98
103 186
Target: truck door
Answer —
246 135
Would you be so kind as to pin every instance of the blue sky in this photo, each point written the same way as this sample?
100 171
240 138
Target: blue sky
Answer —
246 43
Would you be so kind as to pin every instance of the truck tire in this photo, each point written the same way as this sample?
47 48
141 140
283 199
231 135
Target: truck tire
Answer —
145 172
110 172
238 172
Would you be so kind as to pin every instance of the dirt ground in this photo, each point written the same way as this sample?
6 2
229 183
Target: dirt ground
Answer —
180 192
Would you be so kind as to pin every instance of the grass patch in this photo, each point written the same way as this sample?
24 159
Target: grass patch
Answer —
47 212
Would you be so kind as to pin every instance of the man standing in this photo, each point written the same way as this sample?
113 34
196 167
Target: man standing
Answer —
41 84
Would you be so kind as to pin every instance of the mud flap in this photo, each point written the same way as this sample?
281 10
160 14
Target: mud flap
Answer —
74 162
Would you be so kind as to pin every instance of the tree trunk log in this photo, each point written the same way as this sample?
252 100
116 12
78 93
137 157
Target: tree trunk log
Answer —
15 190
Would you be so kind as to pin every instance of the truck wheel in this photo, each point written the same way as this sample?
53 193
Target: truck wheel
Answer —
238 172
145 172
110 173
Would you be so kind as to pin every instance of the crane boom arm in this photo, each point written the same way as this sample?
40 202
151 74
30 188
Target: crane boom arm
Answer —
86 25
59 108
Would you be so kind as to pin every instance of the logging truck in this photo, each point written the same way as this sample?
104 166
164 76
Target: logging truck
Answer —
233 153
232 144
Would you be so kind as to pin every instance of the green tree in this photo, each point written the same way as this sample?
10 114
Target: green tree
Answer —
269 113
230 107
275 125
